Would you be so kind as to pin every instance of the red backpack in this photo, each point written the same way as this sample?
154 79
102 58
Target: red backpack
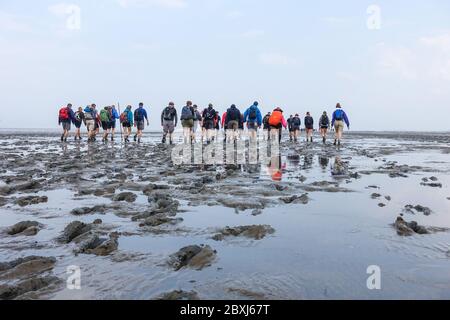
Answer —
63 114
123 117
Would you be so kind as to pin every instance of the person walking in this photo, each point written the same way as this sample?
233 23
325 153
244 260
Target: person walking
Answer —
140 116
208 122
291 132
127 122
197 123
114 116
65 118
309 127
169 121
277 122
105 118
253 119
79 120
266 126
324 125
90 118
233 120
187 121
338 120
295 124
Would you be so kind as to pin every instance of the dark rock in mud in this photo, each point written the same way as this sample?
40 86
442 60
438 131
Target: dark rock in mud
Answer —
28 186
303 199
388 198
108 191
28 228
433 184
125 196
179 295
9 292
73 230
256 212
195 257
25 267
373 187
397 175
242 204
97 221
256 232
381 205
375 195
418 208
27 201
434 179
279 187
409 228
3 201
157 220
93 244
164 202
152 187
99 209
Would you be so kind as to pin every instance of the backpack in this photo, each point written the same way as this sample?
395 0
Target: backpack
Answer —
186 113
64 114
139 115
324 121
339 115
252 115
233 115
104 115
296 122
275 118
78 117
89 115
309 121
266 120
210 114
167 114
124 117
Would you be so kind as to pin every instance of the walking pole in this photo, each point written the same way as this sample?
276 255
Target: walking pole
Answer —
120 124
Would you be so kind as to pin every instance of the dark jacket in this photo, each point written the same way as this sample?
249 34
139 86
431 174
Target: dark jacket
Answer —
169 114
309 122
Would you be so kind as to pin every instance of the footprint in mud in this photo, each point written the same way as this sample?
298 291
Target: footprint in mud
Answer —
256 232
179 295
194 257
418 208
303 199
25 228
30 200
409 228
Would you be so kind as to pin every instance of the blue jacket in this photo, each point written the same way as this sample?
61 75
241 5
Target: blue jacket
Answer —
115 115
344 117
258 115
130 117
140 112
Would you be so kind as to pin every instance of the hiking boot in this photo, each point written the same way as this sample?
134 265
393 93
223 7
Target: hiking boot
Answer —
163 140
112 138
62 138
135 137
334 142
339 142
65 139
139 140
324 140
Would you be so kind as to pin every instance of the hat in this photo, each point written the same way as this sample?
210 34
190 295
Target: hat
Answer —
171 103
210 105
255 103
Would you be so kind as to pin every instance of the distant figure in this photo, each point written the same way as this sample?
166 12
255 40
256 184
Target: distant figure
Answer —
253 118
266 126
187 121
105 118
233 122
169 121
309 127
277 122
197 122
296 123
324 125
217 121
114 117
339 117
90 118
126 119
140 116
208 122
291 132
79 119
65 118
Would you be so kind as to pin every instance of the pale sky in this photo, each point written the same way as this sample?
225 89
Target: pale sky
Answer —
387 62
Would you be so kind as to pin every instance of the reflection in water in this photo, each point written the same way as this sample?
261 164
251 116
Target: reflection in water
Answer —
276 167
339 168
324 161
308 161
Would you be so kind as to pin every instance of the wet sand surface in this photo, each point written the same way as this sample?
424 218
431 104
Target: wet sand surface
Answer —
305 227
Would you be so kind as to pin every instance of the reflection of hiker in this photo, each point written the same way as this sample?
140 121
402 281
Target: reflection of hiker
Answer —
277 122
324 125
266 126
309 127
253 119
339 168
275 168
126 119
233 121
339 117
79 119
169 120
140 116
324 161
187 121
65 118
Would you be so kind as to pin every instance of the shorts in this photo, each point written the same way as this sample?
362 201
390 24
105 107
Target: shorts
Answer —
105 125
66 125
252 126
96 126
339 125
140 125
77 124
291 130
309 128
323 127
126 124
295 129
208 124
233 125
187 123
168 126
90 125
112 124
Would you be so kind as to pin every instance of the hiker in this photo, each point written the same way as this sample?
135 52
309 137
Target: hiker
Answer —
105 118
169 120
309 127
208 122
217 121
79 119
324 125
65 118
291 132
197 122
233 121
253 119
339 117
277 122
114 116
98 123
295 125
126 119
187 121
224 125
90 118
266 126
140 116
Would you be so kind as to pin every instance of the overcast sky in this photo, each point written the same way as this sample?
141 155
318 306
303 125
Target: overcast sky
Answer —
387 62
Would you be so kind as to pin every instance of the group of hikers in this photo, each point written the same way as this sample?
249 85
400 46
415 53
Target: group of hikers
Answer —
208 122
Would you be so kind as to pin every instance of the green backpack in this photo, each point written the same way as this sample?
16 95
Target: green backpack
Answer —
104 116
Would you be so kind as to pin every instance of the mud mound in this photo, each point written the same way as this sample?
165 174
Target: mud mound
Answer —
195 257
409 228
27 228
179 295
256 232
30 200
